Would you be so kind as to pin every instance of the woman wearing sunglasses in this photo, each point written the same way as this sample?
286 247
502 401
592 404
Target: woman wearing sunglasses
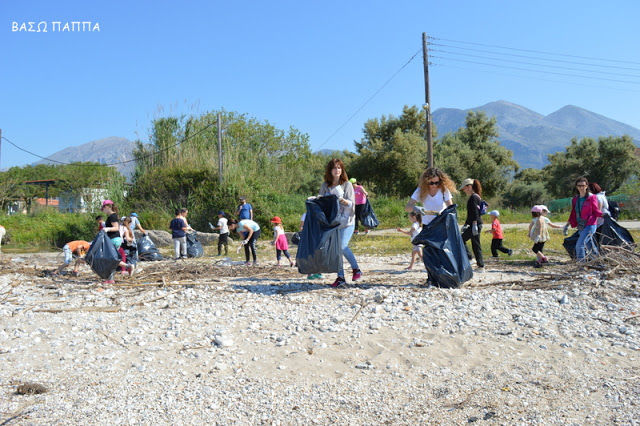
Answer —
433 192
584 216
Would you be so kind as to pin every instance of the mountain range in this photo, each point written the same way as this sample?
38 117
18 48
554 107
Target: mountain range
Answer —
111 150
530 135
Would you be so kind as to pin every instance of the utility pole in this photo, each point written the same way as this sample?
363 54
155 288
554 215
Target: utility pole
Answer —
220 148
427 98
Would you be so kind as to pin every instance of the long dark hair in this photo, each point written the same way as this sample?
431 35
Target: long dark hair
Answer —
328 177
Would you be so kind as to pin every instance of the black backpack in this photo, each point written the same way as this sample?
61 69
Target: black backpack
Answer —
614 209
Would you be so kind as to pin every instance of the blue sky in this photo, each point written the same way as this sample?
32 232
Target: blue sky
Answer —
310 65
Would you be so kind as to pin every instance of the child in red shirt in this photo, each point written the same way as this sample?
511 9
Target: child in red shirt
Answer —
496 230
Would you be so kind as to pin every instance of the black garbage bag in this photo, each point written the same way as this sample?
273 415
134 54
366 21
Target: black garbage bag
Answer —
132 254
569 244
295 238
320 246
368 217
444 253
102 256
194 247
147 250
610 233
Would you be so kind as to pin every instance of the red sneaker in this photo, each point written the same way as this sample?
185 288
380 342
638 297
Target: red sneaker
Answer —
357 274
338 282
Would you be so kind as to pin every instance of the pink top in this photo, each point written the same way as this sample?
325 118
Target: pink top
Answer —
590 211
360 198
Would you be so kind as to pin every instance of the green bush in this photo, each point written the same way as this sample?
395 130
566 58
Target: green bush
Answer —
48 228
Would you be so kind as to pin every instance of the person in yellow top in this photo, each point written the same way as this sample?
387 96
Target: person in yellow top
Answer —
73 249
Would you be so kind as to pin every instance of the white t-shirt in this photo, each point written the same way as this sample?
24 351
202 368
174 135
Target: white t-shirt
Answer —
222 223
602 198
415 230
437 202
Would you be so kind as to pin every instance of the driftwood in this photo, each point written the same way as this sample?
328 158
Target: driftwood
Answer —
82 309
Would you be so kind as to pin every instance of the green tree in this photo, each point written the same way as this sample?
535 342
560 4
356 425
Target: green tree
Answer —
610 161
392 153
474 151
178 167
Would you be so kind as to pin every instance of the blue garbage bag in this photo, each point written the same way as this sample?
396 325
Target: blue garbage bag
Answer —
610 233
147 250
320 246
444 253
102 256
194 247
368 217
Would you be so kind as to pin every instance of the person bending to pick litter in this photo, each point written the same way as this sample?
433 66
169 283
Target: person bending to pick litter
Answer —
74 249
251 232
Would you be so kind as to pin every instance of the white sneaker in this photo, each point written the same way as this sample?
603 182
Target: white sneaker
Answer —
479 270
473 261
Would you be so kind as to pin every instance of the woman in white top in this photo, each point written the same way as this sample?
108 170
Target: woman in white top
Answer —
433 192
603 203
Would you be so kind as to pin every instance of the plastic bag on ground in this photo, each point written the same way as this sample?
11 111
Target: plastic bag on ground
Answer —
610 233
320 246
444 253
102 257
368 217
132 254
147 250
194 247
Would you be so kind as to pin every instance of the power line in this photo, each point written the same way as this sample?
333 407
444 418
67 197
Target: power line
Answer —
533 57
534 64
539 71
536 51
369 100
120 162
531 77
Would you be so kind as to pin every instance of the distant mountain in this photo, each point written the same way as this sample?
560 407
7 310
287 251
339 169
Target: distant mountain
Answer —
532 136
111 150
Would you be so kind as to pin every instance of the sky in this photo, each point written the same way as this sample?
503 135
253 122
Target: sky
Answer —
324 68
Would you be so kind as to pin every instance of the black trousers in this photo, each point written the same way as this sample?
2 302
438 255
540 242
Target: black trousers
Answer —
475 244
252 246
496 245
223 239
359 208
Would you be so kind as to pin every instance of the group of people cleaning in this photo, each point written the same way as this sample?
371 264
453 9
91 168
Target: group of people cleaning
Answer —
435 190
432 196
120 230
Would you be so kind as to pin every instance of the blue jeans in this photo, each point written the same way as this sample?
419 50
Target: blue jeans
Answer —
345 235
586 242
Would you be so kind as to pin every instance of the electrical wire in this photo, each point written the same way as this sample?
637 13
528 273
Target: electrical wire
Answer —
539 71
436 64
368 100
533 57
534 51
151 154
534 64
